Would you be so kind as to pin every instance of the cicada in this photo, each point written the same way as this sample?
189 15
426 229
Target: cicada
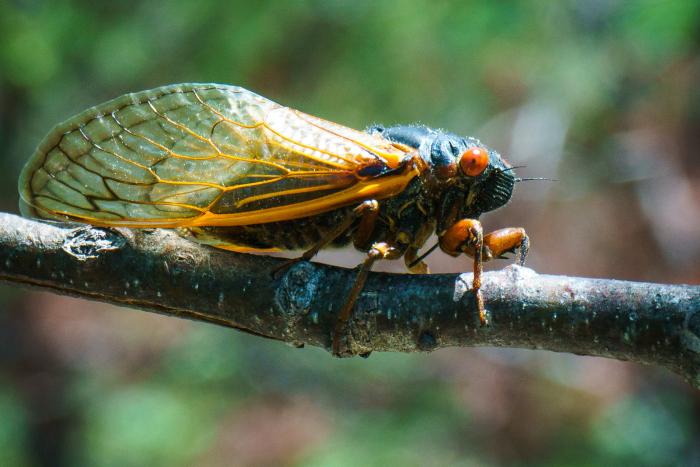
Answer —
240 172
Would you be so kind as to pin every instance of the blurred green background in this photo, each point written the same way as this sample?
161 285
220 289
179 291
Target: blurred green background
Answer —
603 95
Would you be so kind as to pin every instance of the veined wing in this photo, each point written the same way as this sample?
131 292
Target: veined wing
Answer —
204 155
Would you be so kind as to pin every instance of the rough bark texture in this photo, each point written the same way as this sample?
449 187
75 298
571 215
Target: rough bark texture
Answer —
159 271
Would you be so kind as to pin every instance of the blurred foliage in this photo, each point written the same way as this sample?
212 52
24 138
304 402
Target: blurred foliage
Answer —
601 94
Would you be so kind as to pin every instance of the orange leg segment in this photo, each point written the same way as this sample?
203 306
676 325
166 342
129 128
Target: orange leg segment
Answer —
466 236
507 240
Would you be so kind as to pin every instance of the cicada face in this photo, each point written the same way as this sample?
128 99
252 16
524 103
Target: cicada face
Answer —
484 178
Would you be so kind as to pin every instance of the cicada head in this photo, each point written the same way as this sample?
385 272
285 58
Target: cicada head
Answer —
485 179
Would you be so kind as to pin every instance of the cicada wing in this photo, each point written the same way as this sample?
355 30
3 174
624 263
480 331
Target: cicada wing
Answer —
148 156
202 154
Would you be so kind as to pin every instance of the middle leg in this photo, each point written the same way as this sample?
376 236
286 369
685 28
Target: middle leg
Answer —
377 251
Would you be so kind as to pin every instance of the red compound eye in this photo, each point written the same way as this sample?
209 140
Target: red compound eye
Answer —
474 160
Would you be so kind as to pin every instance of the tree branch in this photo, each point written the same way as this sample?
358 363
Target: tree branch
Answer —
159 271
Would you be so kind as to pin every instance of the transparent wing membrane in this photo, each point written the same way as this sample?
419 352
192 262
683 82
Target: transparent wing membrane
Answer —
202 154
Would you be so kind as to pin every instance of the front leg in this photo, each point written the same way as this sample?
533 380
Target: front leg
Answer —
508 240
466 236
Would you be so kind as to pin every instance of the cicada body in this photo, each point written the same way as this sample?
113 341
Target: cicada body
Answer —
241 172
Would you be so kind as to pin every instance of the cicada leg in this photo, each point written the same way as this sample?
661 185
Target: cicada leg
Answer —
508 240
377 251
466 236
368 211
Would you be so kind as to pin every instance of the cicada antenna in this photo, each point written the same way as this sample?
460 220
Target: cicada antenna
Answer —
513 167
536 178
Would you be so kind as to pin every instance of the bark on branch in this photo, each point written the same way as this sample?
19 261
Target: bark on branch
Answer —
159 271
